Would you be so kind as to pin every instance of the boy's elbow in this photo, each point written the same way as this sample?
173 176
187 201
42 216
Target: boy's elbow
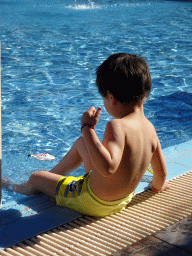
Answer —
106 169
111 170
107 172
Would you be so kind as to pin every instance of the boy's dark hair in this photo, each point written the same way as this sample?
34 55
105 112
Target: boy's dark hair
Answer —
126 76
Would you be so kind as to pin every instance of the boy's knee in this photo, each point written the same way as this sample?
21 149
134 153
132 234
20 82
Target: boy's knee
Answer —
80 140
81 143
36 176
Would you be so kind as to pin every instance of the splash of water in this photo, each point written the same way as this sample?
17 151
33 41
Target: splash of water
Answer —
85 6
90 5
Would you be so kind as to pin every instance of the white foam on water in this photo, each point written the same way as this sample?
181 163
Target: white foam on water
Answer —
91 5
88 6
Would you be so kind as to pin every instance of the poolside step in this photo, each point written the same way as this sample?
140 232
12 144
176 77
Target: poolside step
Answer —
145 215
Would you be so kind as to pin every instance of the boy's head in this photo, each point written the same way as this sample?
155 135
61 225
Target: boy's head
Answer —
126 76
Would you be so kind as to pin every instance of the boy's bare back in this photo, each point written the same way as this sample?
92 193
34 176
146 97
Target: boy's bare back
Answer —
135 140
130 141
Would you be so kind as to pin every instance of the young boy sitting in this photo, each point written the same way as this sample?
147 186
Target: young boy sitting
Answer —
115 166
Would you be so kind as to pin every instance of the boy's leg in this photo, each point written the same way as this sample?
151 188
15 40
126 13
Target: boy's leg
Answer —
76 156
42 181
46 182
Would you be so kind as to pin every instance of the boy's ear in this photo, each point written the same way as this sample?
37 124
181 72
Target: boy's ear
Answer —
114 100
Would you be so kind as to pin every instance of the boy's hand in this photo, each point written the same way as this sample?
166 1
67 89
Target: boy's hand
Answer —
91 116
166 185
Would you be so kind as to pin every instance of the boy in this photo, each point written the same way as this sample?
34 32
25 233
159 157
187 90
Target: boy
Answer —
114 167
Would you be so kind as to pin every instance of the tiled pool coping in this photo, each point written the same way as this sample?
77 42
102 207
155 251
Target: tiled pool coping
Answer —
33 215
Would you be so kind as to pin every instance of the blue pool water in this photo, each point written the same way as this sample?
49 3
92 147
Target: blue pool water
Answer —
50 50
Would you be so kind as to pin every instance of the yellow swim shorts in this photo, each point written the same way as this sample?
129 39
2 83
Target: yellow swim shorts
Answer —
75 193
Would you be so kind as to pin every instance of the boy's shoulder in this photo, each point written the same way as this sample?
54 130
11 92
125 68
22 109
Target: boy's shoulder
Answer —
131 124
115 125
114 130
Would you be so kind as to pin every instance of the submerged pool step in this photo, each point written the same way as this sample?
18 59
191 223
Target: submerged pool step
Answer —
145 215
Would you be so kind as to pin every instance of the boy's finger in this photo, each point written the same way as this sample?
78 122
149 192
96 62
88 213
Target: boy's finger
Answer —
98 113
92 110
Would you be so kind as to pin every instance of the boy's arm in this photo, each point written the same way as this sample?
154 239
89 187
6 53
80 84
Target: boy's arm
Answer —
159 170
104 156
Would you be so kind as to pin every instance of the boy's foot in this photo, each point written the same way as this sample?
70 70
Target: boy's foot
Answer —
5 183
24 189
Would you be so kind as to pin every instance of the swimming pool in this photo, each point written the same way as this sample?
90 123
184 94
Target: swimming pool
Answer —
50 50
